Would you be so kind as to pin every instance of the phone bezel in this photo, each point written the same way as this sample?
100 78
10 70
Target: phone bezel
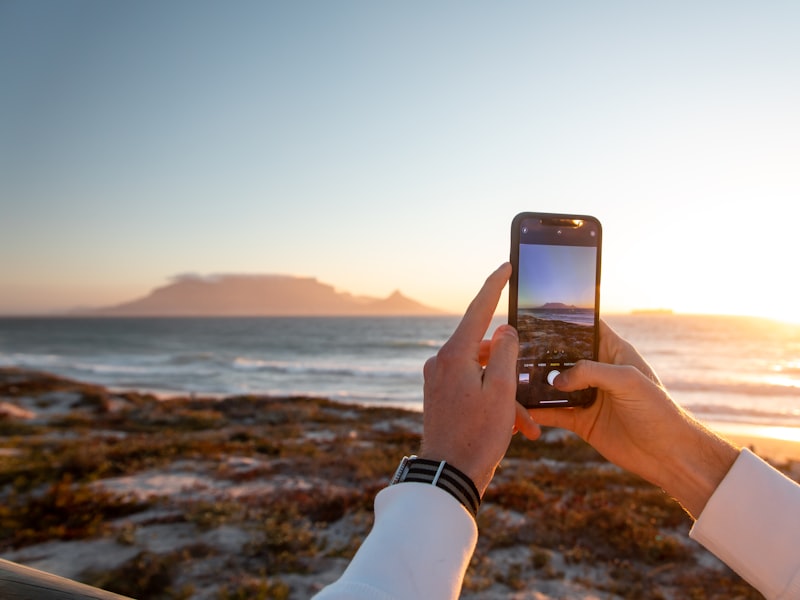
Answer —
574 399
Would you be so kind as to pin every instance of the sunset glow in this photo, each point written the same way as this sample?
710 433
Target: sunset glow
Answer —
376 148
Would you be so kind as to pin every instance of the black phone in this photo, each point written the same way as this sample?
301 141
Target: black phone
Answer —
554 302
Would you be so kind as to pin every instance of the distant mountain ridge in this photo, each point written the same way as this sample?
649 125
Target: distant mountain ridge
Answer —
260 295
554 305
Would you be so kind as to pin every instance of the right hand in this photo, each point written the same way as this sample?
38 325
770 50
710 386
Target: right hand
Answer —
635 424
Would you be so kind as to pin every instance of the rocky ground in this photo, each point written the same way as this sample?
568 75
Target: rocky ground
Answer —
552 338
254 497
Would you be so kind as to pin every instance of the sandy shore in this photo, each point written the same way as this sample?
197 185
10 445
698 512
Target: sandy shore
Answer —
220 498
778 444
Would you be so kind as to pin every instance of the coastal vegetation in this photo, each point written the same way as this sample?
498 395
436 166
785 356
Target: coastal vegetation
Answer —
256 497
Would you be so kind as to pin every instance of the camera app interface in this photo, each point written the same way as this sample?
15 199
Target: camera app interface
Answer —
555 309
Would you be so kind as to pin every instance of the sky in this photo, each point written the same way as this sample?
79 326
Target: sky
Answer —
384 145
556 274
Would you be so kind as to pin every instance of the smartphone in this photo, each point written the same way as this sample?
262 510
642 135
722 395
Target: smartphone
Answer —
554 302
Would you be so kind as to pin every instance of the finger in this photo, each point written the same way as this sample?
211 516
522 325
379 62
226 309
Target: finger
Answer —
563 418
479 313
501 368
616 350
524 423
484 351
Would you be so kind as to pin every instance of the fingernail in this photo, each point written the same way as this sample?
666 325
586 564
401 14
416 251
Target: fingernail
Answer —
508 330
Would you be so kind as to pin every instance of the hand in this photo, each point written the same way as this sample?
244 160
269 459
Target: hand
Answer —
470 407
635 424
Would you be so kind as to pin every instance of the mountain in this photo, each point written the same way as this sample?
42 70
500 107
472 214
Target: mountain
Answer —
259 295
557 305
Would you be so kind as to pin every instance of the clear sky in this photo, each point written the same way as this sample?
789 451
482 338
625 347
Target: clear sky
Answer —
556 274
380 145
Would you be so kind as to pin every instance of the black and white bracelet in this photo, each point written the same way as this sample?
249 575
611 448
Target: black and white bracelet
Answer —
442 475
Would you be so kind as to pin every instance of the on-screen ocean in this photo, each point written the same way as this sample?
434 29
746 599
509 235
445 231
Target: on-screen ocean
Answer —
723 369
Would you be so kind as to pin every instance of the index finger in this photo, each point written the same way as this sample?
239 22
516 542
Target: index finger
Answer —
479 313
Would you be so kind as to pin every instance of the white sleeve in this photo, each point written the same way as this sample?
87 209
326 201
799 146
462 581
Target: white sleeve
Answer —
752 523
419 547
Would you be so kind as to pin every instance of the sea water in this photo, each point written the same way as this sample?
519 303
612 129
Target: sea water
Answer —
723 369
352 359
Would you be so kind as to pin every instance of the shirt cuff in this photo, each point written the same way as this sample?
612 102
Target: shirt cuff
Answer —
750 523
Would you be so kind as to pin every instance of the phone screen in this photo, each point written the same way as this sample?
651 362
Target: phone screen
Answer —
554 302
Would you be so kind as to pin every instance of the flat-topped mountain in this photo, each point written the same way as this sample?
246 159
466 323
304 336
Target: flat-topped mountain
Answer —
555 305
260 295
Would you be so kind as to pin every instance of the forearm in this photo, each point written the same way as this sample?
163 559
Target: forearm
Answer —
698 462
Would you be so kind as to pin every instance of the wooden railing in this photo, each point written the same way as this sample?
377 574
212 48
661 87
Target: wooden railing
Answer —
18 582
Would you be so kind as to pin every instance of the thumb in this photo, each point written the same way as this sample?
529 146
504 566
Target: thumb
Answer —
588 373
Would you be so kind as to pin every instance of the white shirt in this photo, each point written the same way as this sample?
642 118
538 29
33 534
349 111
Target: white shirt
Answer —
752 523
419 547
423 538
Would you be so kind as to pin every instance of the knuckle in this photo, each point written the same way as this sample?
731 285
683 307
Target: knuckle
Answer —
429 368
447 354
504 385
583 368
631 373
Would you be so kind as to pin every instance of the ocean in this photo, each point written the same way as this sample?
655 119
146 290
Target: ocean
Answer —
734 370
579 316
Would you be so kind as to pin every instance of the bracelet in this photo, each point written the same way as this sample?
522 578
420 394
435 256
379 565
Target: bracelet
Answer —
442 475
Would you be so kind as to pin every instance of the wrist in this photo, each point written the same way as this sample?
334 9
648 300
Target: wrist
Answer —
480 475
442 475
696 468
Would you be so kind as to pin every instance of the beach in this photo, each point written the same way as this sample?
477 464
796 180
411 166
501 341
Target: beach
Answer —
256 496
779 444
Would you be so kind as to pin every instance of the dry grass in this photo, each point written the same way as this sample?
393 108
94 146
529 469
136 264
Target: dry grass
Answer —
556 515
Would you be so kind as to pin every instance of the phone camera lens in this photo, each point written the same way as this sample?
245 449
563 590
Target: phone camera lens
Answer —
524 230
559 232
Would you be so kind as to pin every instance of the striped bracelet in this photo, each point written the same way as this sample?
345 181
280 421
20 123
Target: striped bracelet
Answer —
442 475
